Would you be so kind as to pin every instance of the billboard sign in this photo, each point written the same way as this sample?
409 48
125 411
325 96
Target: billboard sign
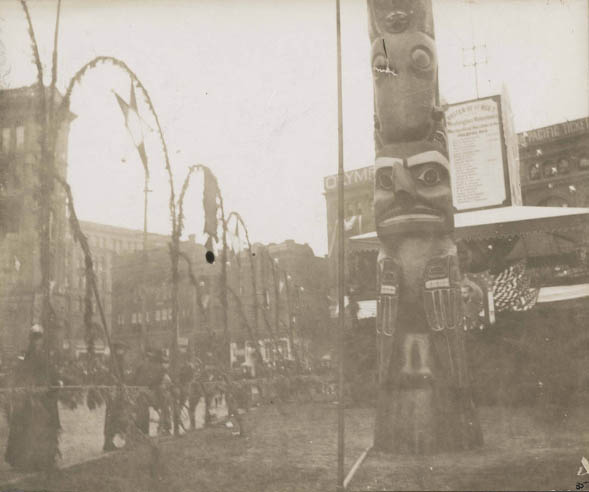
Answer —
354 177
483 154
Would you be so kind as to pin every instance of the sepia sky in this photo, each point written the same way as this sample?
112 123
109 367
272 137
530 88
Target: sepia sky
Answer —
249 89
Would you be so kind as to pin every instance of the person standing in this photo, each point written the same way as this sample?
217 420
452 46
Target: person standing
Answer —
34 426
148 376
115 418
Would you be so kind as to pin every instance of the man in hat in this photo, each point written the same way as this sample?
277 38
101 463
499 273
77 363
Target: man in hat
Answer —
34 422
148 375
164 394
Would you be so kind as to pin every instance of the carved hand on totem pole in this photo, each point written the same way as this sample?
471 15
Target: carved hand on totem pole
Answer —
424 402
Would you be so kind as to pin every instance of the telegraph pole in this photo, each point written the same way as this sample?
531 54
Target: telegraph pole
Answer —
475 63
475 60
340 265
144 338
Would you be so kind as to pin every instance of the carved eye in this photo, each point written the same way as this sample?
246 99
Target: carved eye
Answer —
398 20
379 63
421 58
384 178
431 176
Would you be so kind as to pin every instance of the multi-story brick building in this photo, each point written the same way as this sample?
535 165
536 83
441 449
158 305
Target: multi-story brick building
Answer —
106 242
20 275
290 301
554 165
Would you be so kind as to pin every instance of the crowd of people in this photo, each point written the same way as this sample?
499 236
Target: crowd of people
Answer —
131 394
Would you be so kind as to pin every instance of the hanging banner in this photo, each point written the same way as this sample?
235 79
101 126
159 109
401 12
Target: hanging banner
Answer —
483 165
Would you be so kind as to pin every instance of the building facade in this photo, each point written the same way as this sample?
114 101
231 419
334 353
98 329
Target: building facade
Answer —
20 276
289 301
554 165
554 171
106 242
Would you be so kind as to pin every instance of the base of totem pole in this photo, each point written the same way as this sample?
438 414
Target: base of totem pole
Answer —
425 421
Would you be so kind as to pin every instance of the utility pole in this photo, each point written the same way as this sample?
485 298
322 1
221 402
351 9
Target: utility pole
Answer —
475 60
224 303
275 279
144 338
341 257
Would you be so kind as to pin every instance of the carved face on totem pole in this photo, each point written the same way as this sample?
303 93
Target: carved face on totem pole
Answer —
420 349
412 191
412 179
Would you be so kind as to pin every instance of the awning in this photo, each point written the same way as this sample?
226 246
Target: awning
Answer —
516 221
563 292
500 222
547 294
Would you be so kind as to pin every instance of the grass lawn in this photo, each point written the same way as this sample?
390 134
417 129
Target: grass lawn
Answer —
287 448
292 447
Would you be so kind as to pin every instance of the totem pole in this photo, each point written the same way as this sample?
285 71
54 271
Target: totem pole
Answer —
424 397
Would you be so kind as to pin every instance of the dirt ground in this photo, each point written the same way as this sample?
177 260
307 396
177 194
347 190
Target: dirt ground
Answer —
292 447
525 449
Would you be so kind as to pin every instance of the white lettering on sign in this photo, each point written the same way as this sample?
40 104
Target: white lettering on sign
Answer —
436 284
388 289
353 177
567 129
476 154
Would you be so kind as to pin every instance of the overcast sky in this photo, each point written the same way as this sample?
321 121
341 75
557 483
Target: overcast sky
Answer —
249 88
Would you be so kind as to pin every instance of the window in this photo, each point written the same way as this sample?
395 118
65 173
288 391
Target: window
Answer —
6 140
549 169
584 162
563 166
164 314
535 172
134 318
169 313
20 137
158 315
147 317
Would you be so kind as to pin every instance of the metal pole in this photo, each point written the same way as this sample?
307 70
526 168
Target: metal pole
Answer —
340 269
277 300
144 269
224 302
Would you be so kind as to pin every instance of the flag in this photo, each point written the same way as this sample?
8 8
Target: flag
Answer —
236 244
209 202
133 123
512 291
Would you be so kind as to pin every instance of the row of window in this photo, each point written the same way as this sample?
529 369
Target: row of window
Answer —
7 138
158 315
564 165
80 306
117 245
